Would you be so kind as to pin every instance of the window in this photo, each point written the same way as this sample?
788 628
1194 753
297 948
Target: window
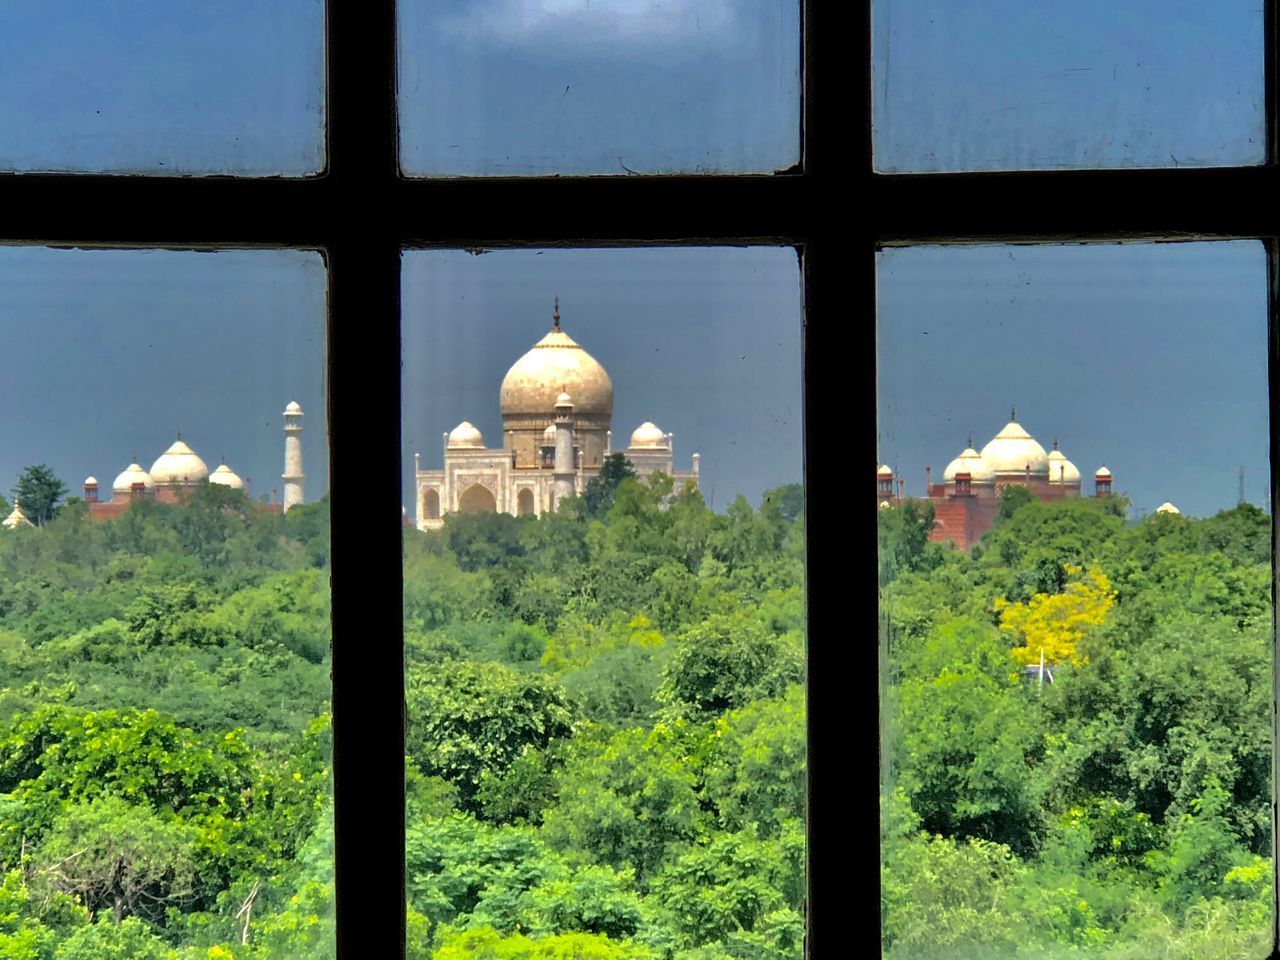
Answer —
1072 206
360 214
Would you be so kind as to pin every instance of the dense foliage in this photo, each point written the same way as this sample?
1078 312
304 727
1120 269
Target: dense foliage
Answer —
1119 811
606 747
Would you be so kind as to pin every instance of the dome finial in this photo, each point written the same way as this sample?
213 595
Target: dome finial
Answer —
969 446
555 315
1055 443
179 434
1013 414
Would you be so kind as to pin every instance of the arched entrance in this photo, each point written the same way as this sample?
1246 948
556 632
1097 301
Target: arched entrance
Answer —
431 505
524 503
476 499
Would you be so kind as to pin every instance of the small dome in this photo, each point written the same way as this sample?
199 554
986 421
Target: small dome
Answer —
1061 470
224 477
465 435
1013 450
16 518
90 481
1103 472
549 434
132 474
884 504
1167 507
884 471
648 435
293 410
564 400
179 464
970 462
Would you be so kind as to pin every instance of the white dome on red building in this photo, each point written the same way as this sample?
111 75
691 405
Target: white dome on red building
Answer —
1013 451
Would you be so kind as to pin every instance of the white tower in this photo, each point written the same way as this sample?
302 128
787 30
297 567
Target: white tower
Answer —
564 484
293 475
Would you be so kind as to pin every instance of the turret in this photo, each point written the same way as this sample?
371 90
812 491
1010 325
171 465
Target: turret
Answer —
1102 482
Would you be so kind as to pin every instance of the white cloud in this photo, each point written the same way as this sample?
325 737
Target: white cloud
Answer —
596 22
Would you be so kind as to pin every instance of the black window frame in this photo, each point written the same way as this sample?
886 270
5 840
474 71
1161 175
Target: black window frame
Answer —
1068 206
360 213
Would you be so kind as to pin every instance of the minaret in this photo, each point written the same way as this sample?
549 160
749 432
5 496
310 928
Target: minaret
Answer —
564 483
293 475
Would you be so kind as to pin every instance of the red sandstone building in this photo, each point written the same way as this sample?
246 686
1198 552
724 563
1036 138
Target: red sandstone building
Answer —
965 503
179 472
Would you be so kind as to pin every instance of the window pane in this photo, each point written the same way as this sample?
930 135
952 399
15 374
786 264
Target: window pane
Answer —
170 88
1076 637
1012 85
511 88
605 671
164 622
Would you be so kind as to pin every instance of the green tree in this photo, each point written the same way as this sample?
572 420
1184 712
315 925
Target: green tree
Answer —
129 940
40 493
466 719
630 800
601 489
117 858
731 886
902 537
728 660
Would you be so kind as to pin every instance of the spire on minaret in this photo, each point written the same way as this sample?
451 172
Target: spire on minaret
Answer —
970 446
1055 443
555 316
1013 414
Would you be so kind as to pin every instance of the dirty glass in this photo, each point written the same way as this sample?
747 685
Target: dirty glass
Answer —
1075 588
604 602
111 86
508 88
164 605
1017 85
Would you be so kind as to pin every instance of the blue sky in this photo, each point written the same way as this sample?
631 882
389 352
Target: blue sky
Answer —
1150 359
1039 84
488 86
107 352
518 87
705 342
175 87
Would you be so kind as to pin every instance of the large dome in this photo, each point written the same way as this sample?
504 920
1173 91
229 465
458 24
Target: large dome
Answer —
179 464
556 364
1012 450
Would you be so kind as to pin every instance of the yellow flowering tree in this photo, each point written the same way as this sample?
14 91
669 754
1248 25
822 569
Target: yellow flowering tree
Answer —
1055 622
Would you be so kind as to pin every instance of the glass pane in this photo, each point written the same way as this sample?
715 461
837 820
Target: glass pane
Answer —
507 88
603 589
234 87
1013 85
1076 638
164 605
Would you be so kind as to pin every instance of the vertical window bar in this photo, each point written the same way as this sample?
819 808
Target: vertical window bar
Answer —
364 372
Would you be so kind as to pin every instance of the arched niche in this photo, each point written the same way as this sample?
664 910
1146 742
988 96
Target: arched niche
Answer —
524 503
477 499
431 504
